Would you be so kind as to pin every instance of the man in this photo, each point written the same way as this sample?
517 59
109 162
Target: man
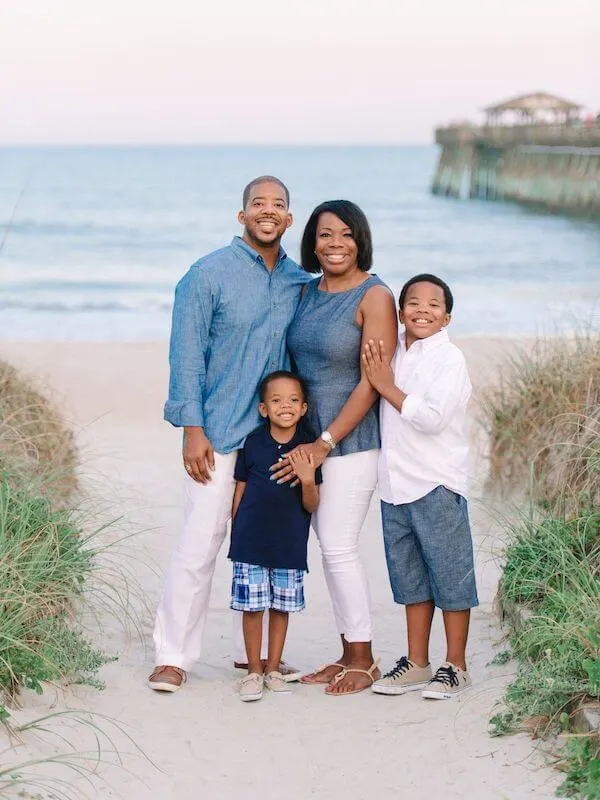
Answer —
230 318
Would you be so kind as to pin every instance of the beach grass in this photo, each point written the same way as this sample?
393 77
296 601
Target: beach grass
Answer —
83 743
45 556
36 446
44 562
544 427
543 421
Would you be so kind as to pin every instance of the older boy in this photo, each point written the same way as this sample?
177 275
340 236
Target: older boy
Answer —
422 481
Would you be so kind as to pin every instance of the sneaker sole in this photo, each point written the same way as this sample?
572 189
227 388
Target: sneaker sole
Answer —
278 691
163 687
249 698
433 695
413 687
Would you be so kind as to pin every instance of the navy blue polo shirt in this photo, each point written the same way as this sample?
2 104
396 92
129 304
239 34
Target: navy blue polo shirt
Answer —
271 525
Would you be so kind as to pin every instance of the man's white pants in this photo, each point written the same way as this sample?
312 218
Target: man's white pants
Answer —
348 485
183 608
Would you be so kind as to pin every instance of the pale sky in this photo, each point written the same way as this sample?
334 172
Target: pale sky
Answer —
305 71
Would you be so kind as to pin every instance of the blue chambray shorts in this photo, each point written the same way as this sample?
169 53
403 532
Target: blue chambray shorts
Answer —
429 551
257 588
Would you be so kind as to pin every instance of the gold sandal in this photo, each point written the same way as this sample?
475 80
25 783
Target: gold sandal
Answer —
321 669
341 675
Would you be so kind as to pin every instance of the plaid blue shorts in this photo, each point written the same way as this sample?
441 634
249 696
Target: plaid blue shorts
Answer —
257 588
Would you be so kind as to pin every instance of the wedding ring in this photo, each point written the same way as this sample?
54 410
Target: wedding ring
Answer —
188 467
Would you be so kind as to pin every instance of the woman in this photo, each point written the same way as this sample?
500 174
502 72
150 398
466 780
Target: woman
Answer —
338 313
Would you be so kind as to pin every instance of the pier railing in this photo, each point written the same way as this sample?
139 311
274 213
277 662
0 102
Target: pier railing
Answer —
584 135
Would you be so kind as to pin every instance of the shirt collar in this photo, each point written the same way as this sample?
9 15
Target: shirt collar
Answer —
424 345
296 438
239 244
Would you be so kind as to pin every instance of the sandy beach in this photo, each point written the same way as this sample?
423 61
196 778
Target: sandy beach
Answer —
203 742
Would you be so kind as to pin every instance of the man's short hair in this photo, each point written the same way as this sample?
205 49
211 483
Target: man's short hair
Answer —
264 179
427 278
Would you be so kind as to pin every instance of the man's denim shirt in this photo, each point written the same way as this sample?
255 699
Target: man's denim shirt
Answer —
230 321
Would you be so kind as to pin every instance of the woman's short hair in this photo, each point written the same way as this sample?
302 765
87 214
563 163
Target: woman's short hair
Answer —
352 216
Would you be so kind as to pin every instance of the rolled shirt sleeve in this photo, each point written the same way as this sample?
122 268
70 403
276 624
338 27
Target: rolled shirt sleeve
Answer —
433 411
192 316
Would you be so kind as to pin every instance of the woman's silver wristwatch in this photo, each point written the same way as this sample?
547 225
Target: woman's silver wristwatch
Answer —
329 440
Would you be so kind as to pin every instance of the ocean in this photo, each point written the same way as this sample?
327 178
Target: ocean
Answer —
93 239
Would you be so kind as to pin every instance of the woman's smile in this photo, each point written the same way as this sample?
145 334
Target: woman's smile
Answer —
335 247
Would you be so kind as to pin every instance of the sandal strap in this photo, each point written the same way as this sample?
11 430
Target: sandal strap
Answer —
341 675
326 666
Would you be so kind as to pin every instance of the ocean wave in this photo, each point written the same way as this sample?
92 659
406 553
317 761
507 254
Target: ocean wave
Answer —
79 306
141 285
30 226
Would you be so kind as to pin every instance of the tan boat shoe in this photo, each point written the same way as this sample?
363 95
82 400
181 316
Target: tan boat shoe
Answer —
251 687
275 682
288 673
166 678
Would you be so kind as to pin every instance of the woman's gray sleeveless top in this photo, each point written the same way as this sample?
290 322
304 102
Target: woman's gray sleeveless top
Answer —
324 342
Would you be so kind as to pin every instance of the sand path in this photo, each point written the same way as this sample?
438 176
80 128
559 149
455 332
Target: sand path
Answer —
203 742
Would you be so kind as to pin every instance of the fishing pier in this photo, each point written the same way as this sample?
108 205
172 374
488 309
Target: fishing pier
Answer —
534 150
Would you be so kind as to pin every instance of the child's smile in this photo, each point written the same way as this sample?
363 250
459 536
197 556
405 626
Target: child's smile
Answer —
284 404
424 312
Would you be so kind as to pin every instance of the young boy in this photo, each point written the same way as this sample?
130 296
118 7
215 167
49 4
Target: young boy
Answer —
270 528
422 481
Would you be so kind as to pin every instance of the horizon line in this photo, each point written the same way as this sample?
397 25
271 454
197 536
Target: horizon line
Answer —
25 145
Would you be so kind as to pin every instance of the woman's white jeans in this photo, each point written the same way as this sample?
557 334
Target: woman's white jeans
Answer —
183 608
348 485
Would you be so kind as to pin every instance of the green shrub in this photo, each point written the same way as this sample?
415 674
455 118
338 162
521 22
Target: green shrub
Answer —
553 569
44 561
580 759
544 427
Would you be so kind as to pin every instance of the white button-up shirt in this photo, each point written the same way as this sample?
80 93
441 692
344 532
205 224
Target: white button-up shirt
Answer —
425 445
